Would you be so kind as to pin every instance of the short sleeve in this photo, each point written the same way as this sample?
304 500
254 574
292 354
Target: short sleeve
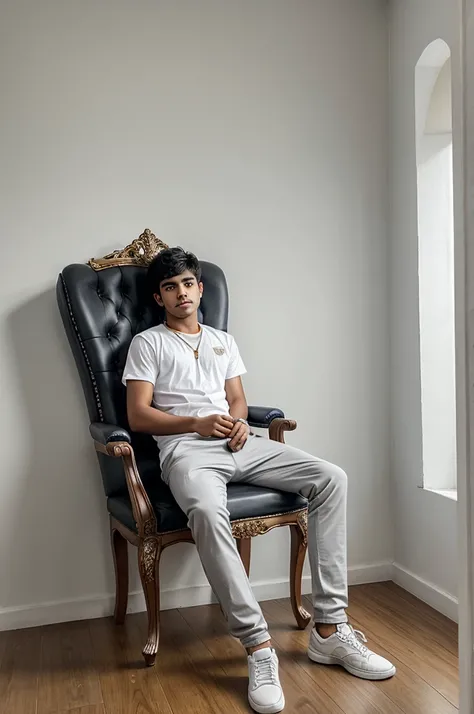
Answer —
236 366
142 361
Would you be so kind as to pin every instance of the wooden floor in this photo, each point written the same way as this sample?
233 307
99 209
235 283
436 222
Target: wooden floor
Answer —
94 667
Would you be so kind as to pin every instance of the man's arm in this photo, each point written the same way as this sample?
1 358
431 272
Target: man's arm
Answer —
237 402
235 395
143 417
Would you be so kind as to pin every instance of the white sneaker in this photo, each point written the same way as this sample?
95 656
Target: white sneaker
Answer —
265 692
346 648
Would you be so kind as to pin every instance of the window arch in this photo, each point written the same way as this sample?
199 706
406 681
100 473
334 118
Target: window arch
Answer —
434 159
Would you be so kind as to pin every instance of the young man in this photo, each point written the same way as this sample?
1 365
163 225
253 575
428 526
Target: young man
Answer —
184 388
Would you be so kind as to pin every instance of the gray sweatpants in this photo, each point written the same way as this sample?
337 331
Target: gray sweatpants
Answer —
198 472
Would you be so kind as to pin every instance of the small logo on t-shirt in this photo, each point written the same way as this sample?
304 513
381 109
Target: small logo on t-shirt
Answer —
219 351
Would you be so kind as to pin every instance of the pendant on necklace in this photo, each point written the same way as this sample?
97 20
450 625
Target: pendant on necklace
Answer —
196 354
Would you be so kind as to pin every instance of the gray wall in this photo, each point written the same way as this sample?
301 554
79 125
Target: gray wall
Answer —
254 133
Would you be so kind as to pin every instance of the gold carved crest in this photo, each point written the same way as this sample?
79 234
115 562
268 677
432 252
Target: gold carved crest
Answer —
140 252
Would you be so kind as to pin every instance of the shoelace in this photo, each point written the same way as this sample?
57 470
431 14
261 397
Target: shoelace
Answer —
265 671
356 639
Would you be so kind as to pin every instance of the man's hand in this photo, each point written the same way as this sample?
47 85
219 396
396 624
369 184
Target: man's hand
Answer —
238 436
218 425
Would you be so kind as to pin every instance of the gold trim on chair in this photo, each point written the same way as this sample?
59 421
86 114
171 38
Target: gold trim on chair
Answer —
140 253
302 519
249 528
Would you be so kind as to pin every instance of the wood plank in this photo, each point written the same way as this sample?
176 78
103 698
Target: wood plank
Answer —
19 671
127 685
432 663
405 615
352 695
68 678
193 680
409 690
301 695
3 643
425 611
92 709
70 668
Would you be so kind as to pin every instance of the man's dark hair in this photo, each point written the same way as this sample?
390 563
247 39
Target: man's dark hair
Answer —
169 263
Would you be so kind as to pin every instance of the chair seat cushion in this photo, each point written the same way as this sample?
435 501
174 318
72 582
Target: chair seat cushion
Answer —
243 501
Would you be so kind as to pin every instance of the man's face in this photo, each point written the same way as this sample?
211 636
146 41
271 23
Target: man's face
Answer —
181 295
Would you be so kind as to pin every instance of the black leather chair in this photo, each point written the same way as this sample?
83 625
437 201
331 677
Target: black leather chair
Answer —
103 305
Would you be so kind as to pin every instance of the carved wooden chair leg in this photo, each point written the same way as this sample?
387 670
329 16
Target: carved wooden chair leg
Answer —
244 548
298 552
149 553
120 553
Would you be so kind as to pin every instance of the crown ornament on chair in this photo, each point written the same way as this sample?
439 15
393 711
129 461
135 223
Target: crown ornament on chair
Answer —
140 252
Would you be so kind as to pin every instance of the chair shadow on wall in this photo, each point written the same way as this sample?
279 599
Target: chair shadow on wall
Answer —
59 481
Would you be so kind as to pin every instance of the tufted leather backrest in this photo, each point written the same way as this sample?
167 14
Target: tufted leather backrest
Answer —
101 312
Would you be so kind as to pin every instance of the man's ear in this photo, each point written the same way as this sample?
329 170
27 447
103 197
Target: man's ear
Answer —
158 299
201 288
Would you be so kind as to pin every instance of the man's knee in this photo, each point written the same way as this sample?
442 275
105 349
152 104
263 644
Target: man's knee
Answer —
207 514
328 476
335 477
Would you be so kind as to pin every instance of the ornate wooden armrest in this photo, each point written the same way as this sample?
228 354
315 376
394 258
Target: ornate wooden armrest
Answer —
276 430
115 442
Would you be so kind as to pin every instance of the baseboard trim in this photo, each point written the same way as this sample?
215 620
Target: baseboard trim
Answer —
375 573
86 608
89 608
430 593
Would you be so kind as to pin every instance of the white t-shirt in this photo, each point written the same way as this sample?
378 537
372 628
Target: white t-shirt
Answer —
184 385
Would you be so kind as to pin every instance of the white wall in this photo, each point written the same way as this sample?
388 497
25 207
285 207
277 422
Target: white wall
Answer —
436 291
252 133
425 523
434 157
465 324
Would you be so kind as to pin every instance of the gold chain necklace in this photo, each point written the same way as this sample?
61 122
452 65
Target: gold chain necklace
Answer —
178 334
